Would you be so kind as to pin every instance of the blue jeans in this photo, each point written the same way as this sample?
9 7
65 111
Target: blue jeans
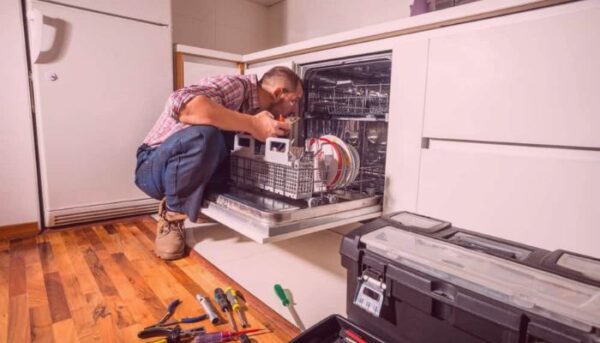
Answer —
182 167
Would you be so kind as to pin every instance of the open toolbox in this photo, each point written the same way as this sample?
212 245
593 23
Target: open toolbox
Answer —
413 278
335 329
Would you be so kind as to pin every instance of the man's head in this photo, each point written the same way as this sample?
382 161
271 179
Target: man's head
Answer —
280 91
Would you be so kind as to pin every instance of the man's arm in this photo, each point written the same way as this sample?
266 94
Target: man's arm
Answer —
203 111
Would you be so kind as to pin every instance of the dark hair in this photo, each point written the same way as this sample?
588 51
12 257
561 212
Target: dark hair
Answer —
285 74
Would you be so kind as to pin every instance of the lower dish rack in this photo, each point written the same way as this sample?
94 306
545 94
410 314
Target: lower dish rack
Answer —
291 172
281 170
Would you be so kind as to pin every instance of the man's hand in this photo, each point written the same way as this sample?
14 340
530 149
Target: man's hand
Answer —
264 126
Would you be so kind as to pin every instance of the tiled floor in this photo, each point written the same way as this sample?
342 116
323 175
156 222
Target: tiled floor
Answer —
309 266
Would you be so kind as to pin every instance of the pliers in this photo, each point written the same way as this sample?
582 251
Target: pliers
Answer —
172 335
170 310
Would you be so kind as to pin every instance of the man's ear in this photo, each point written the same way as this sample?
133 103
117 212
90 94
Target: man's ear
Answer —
278 92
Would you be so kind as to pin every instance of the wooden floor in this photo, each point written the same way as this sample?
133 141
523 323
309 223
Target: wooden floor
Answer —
103 283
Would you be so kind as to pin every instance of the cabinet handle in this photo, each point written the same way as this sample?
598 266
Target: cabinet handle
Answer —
36 19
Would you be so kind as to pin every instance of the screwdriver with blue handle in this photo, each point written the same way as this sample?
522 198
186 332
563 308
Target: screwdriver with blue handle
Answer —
221 300
286 302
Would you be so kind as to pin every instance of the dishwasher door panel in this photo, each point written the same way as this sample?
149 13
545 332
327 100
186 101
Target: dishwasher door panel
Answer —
265 218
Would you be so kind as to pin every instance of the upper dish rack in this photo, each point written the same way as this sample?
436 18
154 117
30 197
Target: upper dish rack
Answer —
348 99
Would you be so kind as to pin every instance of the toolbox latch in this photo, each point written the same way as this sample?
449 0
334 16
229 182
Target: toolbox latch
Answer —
370 294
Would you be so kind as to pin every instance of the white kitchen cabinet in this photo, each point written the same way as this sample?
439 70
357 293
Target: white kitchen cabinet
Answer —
96 97
538 182
17 148
405 125
546 197
528 78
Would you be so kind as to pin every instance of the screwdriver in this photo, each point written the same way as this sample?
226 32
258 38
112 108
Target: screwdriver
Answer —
235 305
225 306
222 336
286 302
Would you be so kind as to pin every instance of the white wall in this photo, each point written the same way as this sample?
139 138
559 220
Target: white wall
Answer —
298 20
18 187
237 26
241 26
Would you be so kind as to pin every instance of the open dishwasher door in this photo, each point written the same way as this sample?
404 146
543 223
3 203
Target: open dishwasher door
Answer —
264 218
345 101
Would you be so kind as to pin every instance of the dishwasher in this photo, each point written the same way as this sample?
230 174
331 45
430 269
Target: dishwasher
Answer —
278 191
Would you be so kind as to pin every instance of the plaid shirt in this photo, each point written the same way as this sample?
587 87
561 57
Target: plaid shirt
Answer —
235 92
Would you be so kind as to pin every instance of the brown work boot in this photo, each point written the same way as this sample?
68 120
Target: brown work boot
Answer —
170 237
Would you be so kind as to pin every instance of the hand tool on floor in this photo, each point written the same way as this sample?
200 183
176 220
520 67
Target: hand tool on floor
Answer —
170 310
186 320
221 300
235 305
286 302
221 336
171 334
208 308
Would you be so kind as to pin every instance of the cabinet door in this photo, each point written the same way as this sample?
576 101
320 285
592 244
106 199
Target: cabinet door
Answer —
96 97
528 78
544 197
405 125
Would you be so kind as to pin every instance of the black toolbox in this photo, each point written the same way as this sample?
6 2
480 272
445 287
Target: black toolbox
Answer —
418 279
335 329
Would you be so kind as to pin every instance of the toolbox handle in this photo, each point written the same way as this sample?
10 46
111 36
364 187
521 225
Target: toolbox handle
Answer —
273 154
552 262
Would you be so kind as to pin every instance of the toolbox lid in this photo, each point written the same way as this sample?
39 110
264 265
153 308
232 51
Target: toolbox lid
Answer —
555 297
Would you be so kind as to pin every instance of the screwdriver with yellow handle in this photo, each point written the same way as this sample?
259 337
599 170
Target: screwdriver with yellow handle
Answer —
225 306
235 305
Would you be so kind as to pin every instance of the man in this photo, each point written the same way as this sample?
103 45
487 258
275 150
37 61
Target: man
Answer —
193 136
